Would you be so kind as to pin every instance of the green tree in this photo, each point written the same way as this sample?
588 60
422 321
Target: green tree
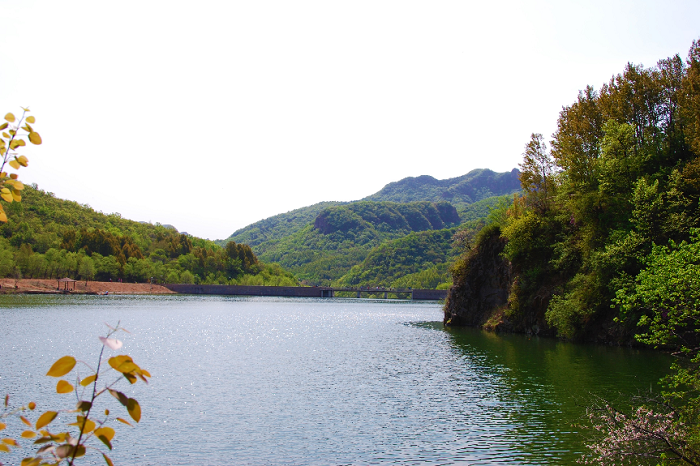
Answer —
86 269
537 173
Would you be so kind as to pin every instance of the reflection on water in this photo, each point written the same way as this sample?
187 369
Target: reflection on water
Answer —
309 381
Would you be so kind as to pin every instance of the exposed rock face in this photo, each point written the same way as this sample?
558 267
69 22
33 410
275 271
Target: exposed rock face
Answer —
481 284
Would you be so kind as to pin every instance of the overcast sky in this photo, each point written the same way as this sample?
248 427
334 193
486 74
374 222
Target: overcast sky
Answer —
211 115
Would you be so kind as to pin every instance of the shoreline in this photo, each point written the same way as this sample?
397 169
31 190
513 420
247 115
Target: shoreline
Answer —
51 286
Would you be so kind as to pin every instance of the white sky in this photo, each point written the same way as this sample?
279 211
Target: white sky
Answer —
211 115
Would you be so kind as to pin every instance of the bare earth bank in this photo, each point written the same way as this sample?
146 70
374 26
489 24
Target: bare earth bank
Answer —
31 285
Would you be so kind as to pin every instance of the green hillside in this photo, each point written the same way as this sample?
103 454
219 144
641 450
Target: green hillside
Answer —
278 226
46 237
343 235
393 260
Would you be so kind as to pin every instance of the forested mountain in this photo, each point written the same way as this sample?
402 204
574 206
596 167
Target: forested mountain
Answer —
622 176
341 236
46 237
460 192
322 242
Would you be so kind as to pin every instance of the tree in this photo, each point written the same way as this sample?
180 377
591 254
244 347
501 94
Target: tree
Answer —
537 173
10 141
86 269
667 290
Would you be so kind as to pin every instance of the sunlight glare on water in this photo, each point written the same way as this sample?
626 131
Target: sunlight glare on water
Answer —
313 381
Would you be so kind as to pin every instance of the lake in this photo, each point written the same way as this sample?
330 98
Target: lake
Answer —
319 381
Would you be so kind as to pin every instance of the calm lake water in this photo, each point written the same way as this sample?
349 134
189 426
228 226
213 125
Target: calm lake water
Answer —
310 381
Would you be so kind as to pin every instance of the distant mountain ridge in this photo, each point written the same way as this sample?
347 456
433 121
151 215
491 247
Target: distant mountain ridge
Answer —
461 192
466 189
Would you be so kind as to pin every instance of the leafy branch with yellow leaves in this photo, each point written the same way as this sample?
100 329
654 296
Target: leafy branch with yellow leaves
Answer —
10 186
82 435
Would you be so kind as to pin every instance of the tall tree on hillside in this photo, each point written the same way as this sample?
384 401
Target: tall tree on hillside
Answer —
537 173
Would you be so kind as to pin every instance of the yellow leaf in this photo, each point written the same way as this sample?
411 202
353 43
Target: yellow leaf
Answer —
10 117
31 462
34 138
23 160
87 425
145 372
88 380
28 434
31 119
62 367
7 197
26 421
14 164
2 426
10 441
20 142
32 405
5 191
124 421
107 460
14 176
117 361
5 135
4 448
63 387
18 185
16 196
108 432
3 126
134 409
130 377
3 216
45 419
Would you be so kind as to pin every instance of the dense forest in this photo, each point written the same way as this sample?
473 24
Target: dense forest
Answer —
604 244
46 237
622 175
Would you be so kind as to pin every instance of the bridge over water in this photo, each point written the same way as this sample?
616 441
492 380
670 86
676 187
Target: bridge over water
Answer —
310 292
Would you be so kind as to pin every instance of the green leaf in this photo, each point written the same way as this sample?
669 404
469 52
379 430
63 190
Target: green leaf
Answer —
62 367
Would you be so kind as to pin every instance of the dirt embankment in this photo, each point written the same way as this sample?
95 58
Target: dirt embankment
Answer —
30 285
